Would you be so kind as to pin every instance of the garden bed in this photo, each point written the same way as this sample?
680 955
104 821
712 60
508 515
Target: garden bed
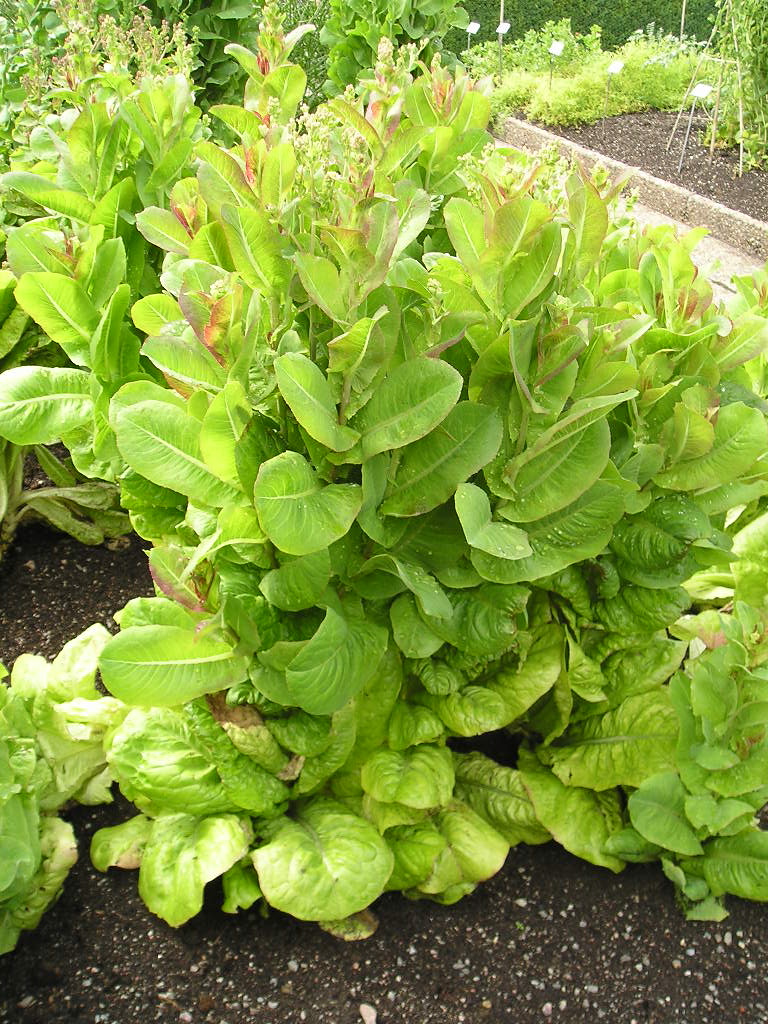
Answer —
709 194
549 938
640 140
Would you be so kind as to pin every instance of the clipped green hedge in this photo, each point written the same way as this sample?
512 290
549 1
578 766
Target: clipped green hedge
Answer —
618 19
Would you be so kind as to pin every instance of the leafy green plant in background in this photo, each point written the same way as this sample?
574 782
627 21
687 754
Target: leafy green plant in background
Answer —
741 35
309 52
87 510
531 53
52 724
656 74
63 54
211 28
27 31
353 30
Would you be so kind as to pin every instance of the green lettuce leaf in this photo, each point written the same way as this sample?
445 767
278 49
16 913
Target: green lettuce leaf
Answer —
410 724
579 819
241 887
498 795
484 621
622 747
176 761
323 863
741 436
472 851
579 531
420 777
738 865
58 853
161 665
411 401
341 741
657 809
335 663
179 855
297 513
432 468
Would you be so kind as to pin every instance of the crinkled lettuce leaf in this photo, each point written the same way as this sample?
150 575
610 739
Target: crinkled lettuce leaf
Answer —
323 862
579 819
182 760
621 747
497 793
22 911
177 855
420 777
445 856
52 725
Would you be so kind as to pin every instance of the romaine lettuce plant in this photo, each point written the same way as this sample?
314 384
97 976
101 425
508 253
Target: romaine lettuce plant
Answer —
52 722
440 459
88 510
434 458
699 815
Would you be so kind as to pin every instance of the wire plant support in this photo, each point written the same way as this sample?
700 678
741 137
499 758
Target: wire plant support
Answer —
699 92
725 36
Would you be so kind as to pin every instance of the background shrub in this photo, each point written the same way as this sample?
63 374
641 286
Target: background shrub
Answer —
310 52
641 85
530 53
656 73
354 28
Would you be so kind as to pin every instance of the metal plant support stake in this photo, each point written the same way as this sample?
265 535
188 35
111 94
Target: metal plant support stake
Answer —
741 93
716 113
472 29
614 68
501 31
702 58
725 24
555 50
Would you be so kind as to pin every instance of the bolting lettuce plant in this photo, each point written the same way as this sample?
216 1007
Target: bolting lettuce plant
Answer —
75 259
435 461
433 458
52 721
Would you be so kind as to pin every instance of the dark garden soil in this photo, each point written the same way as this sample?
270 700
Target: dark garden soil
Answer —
640 140
550 938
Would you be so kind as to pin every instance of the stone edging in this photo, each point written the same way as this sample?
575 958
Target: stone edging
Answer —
737 229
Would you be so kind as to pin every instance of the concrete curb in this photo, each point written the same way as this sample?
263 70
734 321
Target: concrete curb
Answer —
737 229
